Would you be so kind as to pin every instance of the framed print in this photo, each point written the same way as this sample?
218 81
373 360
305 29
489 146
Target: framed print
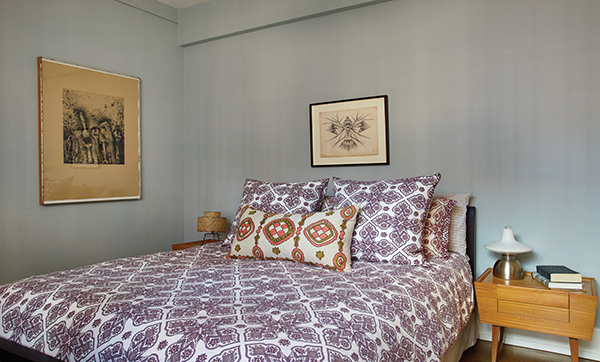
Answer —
89 134
349 132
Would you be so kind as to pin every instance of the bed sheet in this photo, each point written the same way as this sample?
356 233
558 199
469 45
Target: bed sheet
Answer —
195 305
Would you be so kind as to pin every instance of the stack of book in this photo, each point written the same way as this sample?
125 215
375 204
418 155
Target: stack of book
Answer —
558 276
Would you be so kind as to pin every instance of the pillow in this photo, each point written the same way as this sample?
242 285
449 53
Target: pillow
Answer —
458 225
327 204
292 197
390 224
436 230
319 238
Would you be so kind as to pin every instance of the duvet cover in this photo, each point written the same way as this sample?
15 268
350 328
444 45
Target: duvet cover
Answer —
196 305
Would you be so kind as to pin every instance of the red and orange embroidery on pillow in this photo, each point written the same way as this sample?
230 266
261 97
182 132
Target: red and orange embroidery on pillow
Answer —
319 238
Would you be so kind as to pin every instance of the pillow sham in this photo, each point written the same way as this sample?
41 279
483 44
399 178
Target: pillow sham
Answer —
458 225
390 225
291 197
327 204
436 229
319 238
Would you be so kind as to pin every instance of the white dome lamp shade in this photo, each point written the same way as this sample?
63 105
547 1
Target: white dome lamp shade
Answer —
508 267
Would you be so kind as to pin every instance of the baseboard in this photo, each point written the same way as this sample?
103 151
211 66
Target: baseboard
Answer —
545 342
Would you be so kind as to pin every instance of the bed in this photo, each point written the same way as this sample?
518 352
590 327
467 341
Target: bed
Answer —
202 304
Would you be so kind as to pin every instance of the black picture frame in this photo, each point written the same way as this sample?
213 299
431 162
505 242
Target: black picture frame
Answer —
350 132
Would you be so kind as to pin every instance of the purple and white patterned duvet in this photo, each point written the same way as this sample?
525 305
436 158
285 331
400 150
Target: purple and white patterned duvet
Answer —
195 305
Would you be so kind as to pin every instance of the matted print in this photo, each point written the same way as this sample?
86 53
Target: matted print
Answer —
349 132
89 134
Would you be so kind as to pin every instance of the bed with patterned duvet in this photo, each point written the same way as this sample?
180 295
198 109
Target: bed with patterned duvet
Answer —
219 303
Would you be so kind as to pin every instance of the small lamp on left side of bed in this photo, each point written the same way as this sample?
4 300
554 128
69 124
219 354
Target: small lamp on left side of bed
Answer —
508 267
212 224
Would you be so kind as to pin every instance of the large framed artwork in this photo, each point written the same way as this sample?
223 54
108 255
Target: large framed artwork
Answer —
350 132
89 134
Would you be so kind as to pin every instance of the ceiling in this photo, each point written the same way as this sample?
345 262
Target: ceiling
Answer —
180 4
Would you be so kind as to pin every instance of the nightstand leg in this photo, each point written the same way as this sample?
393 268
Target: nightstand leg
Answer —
497 339
574 344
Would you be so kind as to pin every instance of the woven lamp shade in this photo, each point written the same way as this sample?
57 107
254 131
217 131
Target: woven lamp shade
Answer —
212 222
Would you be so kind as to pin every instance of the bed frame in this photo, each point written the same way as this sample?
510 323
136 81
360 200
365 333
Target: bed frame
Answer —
34 356
471 232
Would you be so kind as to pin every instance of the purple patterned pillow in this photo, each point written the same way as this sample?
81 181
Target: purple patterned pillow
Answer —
327 204
390 224
290 197
436 230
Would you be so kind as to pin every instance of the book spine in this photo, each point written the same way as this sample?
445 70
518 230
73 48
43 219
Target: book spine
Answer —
543 273
565 285
540 278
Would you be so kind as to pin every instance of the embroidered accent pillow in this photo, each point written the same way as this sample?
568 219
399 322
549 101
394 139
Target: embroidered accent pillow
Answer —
436 230
319 238
291 197
390 224
458 225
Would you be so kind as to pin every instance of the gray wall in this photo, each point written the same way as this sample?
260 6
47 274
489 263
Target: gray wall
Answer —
501 97
106 35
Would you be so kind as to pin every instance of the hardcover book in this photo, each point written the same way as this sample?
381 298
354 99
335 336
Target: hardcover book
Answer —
559 273
540 278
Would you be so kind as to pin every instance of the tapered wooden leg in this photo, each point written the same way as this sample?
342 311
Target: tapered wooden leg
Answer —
574 344
497 339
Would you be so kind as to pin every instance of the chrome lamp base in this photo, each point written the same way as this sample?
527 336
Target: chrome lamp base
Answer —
508 267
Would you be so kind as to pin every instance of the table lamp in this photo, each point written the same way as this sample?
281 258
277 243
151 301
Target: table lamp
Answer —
508 267
212 224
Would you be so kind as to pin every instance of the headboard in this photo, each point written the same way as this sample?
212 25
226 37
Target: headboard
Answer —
471 252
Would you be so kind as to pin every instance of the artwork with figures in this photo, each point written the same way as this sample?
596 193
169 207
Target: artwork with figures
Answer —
93 128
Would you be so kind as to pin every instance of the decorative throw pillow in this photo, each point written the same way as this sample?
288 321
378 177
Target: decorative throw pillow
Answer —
436 230
292 197
319 238
458 225
390 224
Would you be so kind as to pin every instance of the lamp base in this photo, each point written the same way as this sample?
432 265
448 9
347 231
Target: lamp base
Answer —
508 267
213 235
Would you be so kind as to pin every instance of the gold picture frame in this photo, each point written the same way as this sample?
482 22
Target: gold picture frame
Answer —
89 134
350 132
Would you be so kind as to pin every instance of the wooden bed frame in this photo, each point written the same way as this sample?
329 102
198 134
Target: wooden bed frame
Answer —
34 356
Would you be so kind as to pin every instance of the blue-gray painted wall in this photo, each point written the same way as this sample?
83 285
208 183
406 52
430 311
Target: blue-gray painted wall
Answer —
501 97
105 35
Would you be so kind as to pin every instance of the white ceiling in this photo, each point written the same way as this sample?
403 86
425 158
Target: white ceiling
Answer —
180 4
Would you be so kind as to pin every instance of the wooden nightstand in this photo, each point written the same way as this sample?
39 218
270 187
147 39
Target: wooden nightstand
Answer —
191 244
528 304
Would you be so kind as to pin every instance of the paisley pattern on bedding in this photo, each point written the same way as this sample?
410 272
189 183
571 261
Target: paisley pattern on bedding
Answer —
195 305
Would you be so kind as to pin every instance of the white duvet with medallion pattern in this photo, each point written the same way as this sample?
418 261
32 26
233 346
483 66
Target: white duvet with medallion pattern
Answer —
195 305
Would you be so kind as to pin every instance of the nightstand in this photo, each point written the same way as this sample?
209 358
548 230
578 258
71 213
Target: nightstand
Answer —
528 304
191 244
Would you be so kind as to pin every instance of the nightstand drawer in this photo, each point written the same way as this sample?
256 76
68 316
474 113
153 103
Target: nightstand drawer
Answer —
540 297
533 310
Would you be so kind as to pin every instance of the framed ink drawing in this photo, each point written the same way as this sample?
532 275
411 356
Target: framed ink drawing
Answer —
89 134
349 132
